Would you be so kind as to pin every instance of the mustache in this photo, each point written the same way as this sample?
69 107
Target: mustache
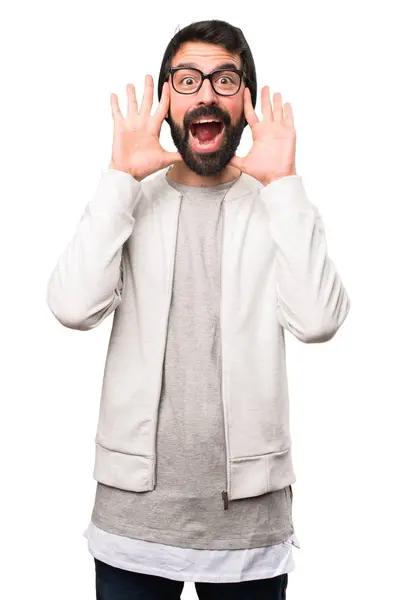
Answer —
207 113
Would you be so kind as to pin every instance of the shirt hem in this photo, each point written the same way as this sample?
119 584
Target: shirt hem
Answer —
174 539
249 576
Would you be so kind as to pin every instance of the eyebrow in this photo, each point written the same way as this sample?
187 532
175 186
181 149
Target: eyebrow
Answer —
193 65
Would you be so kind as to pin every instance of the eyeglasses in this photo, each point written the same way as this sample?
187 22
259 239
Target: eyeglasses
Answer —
225 82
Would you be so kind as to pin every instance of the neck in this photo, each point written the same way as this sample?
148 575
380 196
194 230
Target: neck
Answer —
180 173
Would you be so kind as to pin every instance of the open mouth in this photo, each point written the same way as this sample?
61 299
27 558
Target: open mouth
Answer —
206 134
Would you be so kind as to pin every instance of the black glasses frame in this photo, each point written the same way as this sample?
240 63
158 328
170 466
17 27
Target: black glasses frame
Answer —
204 76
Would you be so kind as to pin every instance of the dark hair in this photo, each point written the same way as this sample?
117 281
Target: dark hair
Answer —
212 32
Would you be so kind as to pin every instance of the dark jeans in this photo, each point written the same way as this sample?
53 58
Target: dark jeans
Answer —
113 583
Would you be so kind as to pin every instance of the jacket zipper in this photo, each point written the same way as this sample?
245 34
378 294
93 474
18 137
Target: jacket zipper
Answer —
224 493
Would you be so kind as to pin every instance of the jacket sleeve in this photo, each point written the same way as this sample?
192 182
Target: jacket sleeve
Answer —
87 281
312 302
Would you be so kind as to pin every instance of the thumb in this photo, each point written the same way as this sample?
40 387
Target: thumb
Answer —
237 162
172 157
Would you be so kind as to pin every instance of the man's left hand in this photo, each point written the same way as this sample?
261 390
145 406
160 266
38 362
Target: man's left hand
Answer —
272 154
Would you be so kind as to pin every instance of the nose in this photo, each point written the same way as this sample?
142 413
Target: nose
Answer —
206 92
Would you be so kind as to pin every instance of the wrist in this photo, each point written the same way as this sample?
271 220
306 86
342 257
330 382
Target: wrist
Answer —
267 180
124 170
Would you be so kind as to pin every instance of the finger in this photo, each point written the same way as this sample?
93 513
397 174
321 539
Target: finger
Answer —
132 101
266 108
163 107
278 112
289 119
115 109
147 99
249 111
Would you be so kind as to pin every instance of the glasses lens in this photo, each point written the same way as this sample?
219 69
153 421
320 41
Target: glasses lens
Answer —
226 82
187 81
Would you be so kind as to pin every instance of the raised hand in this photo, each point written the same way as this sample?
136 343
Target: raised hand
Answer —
272 155
136 148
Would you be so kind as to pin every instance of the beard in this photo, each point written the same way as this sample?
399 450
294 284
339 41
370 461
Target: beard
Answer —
208 163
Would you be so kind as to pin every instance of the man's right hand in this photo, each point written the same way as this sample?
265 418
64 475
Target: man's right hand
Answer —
136 148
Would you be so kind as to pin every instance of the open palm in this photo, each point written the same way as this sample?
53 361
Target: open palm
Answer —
136 146
272 154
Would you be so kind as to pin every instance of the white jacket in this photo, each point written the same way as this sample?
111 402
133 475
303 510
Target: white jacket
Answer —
276 275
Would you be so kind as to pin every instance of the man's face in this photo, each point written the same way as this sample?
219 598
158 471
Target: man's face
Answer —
210 158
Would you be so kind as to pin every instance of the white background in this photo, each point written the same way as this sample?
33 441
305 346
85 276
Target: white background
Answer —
337 64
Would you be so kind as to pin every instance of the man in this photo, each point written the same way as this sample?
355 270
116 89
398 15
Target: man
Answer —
204 265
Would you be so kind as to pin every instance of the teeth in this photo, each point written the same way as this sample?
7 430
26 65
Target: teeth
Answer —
205 121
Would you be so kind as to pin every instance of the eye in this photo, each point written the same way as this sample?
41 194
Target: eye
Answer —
227 79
